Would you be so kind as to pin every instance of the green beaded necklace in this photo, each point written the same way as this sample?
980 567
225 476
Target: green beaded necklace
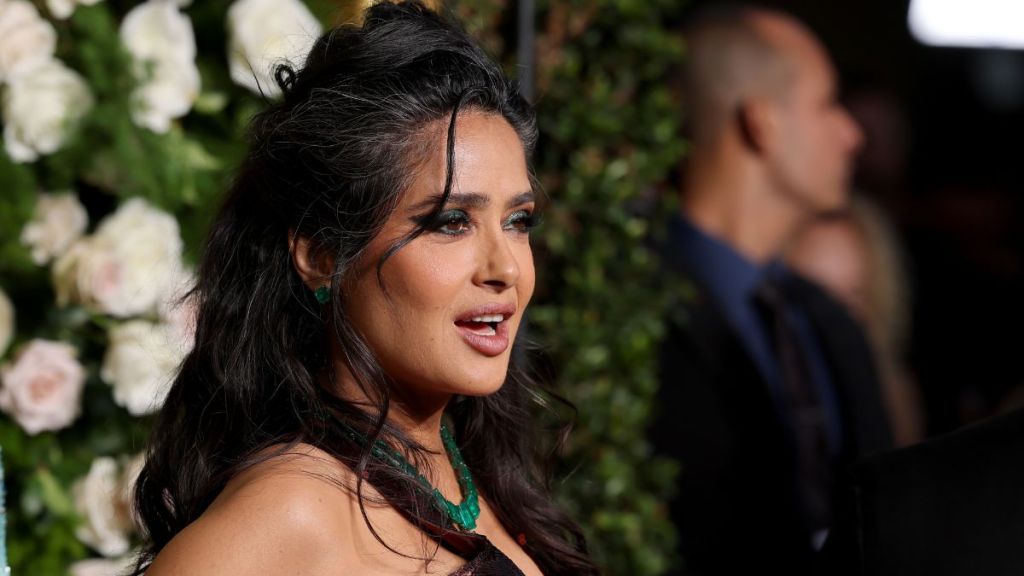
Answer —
464 515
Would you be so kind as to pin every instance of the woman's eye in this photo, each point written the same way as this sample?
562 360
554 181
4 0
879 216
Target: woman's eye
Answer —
453 222
521 221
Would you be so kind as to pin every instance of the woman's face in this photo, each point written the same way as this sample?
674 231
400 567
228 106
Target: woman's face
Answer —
447 311
833 253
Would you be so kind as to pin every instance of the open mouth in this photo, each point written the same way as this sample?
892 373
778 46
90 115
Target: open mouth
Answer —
487 329
484 325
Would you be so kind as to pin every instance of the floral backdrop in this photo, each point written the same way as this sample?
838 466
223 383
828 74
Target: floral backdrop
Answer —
122 121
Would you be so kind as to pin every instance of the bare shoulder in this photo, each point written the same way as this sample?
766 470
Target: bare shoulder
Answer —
298 514
290 514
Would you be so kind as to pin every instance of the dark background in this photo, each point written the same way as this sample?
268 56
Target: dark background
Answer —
954 198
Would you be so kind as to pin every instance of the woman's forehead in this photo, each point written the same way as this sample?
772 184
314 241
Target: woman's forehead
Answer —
488 160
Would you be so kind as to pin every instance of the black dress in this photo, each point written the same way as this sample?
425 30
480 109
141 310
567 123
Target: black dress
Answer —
486 561
483 558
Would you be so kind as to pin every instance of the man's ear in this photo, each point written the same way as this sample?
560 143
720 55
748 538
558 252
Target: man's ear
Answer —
314 266
759 124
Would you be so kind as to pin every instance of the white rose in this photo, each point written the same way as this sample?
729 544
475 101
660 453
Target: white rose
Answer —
6 321
63 9
264 33
160 39
126 266
58 221
26 39
39 107
141 361
42 389
101 566
98 500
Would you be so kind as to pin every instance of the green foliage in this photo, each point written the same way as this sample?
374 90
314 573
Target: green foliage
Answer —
609 137
18 184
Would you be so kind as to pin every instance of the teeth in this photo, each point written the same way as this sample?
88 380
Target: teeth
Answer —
488 318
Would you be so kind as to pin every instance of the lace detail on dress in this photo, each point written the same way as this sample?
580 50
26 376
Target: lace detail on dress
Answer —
489 562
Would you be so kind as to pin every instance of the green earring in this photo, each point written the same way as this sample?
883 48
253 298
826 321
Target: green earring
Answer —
323 294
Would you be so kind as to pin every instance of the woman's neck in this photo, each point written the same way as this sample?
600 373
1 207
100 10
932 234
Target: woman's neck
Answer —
422 428
418 416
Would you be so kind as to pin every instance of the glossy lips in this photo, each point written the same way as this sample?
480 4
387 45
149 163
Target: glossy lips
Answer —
485 329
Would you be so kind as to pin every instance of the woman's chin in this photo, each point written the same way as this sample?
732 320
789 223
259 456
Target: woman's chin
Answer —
481 383
481 390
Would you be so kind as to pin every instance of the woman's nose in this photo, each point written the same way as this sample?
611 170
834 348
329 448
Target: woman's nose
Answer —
498 265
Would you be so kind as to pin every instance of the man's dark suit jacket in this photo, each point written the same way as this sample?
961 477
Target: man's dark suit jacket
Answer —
737 505
953 506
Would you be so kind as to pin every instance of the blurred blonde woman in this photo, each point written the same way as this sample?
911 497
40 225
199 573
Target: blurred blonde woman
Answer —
856 256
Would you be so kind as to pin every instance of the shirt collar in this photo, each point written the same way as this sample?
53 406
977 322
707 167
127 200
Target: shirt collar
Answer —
726 274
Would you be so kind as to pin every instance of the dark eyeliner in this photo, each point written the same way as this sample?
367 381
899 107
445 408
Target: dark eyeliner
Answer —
522 220
448 218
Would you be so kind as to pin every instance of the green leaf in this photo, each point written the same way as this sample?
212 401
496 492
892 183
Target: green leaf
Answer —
53 495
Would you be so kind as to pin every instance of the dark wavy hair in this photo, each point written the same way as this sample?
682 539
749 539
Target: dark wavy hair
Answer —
329 163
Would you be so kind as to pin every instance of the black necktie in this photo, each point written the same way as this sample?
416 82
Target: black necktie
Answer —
802 402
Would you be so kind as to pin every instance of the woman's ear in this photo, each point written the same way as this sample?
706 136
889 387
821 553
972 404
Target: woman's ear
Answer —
314 266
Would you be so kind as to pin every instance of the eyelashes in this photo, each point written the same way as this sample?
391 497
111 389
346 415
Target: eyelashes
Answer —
452 223
456 222
522 221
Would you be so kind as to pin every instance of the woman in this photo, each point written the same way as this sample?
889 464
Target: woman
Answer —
856 256
349 406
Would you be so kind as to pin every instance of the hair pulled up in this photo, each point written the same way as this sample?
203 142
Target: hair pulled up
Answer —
329 162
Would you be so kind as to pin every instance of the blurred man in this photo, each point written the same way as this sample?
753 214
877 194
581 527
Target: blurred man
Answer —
767 385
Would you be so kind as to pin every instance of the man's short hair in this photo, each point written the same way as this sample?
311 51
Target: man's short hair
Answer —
728 59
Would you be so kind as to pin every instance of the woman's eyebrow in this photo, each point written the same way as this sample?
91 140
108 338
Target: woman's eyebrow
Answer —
462 199
468 200
521 198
